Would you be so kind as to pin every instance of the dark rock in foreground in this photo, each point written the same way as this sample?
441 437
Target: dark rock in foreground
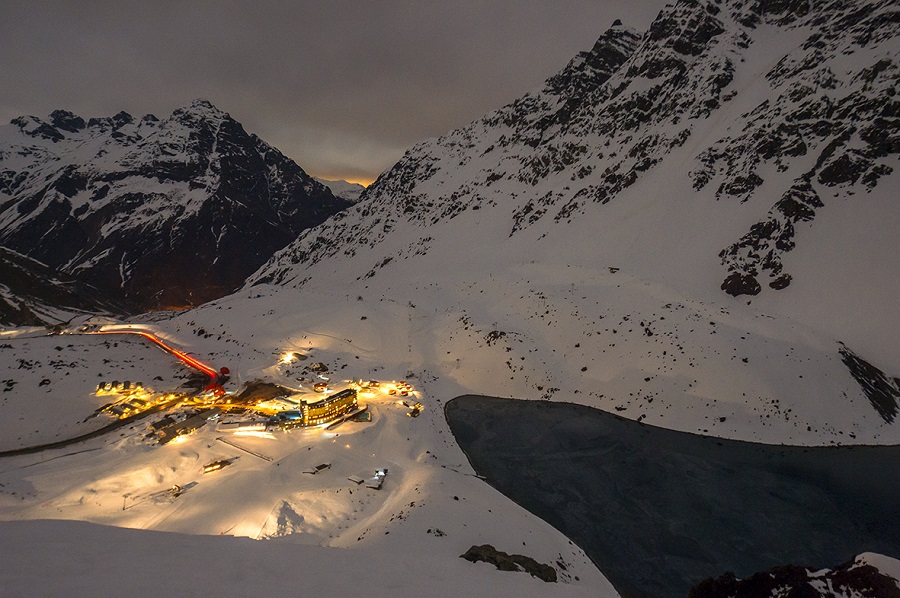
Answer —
850 579
510 562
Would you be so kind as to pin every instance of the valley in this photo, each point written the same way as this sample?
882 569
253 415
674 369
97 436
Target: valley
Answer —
671 265
429 501
443 347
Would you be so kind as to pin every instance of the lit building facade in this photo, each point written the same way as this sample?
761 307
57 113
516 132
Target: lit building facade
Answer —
321 411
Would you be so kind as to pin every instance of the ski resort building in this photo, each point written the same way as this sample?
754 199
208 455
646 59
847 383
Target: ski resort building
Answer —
319 412
175 429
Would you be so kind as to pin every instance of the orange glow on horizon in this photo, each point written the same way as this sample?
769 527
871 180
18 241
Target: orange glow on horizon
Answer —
363 182
355 180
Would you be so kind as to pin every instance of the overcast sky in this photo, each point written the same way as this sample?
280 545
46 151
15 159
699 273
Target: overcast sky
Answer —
342 87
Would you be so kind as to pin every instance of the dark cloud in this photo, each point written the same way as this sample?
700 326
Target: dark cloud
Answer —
342 87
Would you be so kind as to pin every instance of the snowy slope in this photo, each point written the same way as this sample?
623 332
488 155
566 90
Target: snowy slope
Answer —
226 566
697 155
605 221
397 540
409 534
572 247
344 189
157 213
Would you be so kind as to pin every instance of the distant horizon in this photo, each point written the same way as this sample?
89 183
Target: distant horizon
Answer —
342 88
357 182
365 182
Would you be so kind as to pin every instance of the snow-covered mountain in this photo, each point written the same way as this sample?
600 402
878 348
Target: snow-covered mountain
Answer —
31 294
572 246
735 166
154 212
344 189
755 100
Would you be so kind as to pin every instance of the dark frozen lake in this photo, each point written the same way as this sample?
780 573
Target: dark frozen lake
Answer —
659 510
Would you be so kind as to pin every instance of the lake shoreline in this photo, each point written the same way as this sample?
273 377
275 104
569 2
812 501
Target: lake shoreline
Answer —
659 510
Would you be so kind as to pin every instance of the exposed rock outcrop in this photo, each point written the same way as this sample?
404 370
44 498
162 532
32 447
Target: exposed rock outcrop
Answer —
510 562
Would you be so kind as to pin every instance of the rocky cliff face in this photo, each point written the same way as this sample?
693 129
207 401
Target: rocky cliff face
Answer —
156 213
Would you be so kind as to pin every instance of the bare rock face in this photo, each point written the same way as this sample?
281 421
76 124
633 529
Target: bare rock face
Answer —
883 391
155 213
510 562
760 250
741 284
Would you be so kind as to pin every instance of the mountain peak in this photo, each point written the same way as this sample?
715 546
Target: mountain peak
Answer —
119 202
204 107
747 135
66 121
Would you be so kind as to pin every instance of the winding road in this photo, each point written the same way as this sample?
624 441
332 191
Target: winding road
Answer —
189 361
181 355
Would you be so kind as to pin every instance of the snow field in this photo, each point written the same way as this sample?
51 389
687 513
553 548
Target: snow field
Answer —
48 384
406 536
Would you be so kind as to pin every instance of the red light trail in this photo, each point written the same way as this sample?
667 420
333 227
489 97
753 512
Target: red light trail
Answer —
181 355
